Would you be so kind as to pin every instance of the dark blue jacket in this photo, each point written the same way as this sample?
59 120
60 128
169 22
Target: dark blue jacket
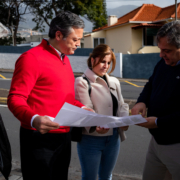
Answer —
161 95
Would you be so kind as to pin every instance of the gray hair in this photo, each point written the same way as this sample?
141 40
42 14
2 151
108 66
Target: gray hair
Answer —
170 30
64 22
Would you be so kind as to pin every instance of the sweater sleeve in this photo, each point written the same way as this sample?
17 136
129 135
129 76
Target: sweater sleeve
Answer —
171 121
146 92
78 104
24 78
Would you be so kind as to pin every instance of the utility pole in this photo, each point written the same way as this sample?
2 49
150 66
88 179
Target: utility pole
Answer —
176 10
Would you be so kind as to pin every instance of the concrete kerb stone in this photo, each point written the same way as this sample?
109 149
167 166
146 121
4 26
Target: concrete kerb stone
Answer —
120 79
4 94
7 70
77 74
130 102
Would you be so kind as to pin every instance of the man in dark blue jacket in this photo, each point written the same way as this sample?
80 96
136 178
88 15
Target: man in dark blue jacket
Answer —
161 95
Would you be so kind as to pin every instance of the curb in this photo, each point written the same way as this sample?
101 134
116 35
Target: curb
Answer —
3 99
120 79
4 92
3 96
7 70
76 74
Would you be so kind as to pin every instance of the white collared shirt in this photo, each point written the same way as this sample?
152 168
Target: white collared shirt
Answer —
61 55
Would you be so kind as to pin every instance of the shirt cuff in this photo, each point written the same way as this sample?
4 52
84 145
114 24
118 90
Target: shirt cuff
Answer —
156 121
32 119
83 107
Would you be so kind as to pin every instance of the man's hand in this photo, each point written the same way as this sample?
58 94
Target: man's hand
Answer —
43 124
102 130
150 124
88 109
124 128
139 108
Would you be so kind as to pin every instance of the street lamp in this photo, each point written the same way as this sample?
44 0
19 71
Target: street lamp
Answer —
176 10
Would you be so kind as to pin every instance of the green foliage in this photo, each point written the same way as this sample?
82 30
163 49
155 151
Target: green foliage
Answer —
45 10
6 13
7 41
11 12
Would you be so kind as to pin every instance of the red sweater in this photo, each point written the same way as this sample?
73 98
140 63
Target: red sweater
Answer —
41 84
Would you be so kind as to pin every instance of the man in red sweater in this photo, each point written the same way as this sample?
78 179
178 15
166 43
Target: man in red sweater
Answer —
42 82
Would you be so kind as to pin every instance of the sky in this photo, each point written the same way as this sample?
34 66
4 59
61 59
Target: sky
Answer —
160 3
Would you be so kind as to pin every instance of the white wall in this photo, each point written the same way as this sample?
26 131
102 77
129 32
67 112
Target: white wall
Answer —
78 63
118 69
7 61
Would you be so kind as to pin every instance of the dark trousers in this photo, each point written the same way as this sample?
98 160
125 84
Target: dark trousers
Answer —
44 156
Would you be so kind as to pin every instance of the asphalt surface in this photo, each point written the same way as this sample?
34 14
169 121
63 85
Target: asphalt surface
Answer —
130 88
130 162
129 165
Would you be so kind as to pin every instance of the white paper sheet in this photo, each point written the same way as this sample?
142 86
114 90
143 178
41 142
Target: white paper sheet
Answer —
70 115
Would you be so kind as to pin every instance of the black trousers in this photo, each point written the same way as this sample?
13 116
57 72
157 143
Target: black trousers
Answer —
44 156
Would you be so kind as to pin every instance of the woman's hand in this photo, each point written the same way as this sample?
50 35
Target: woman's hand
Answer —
102 130
88 109
124 128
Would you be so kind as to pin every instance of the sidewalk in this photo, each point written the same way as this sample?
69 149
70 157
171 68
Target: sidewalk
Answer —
74 174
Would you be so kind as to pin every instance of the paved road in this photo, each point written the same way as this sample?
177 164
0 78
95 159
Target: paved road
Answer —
133 150
130 89
131 157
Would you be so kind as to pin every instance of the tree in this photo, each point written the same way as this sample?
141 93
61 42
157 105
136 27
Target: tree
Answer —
11 13
45 10
7 41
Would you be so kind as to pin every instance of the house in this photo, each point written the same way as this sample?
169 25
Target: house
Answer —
135 31
4 31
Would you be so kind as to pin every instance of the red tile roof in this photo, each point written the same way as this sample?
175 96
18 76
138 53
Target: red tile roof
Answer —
146 25
146 12
168 12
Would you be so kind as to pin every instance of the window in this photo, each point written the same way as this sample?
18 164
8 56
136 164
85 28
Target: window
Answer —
98 41
149 35
82 45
